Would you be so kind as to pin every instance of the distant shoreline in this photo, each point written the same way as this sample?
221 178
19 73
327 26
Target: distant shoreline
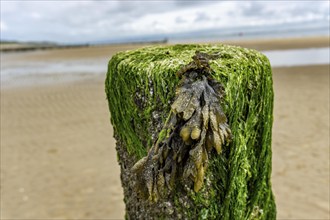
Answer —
66 64
22 47
259 44
17 47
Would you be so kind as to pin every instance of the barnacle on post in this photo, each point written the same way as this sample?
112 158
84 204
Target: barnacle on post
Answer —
195 125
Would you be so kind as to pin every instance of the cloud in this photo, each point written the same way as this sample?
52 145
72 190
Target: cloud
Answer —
179 20
192 3
36 15
201 17
81 21
3 26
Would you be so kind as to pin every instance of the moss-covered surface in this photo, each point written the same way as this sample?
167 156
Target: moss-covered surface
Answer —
140 88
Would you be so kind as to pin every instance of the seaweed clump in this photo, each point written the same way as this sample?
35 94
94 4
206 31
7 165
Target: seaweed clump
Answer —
196 124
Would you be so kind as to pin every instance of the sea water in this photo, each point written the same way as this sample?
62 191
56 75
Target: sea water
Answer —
66 70
298 57
278 58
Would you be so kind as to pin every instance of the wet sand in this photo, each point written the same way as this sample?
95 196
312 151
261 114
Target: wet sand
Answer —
58 158
301 142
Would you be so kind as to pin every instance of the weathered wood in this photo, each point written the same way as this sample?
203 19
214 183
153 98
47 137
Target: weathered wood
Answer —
140 88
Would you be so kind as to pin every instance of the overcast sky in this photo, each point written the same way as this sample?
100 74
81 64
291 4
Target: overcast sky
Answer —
88 21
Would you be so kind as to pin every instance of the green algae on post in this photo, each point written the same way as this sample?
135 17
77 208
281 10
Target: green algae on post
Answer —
140 88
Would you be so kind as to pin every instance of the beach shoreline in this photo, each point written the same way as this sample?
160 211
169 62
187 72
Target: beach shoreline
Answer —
258 44
58 157
63 65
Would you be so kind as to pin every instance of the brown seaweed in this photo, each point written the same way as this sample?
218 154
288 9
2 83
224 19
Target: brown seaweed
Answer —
195 126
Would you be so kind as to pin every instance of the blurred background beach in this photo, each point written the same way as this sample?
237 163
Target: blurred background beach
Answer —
58 158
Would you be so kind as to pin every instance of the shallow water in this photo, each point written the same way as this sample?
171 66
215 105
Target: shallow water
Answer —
298 57
55 67
49 70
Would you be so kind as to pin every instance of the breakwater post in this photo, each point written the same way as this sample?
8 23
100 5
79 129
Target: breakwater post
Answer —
193 125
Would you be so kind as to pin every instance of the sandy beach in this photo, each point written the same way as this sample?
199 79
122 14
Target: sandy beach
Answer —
58 158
